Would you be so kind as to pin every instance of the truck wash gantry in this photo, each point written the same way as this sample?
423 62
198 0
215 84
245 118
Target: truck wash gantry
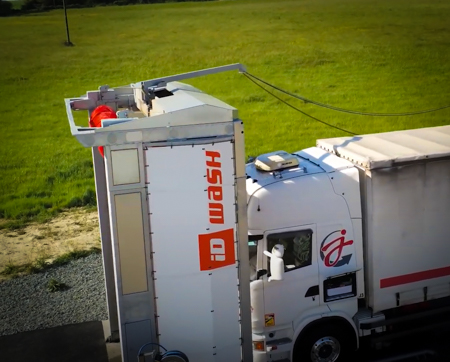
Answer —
128 97
172 157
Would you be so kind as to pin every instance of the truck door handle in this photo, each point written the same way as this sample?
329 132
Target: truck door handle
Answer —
312 291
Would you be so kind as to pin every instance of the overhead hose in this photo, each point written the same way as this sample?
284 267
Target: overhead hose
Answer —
297 109
339 109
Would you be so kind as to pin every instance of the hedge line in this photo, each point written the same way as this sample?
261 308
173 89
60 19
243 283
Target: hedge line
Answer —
6 7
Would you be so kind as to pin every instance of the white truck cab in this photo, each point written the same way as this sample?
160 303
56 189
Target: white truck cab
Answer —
321 237
347 239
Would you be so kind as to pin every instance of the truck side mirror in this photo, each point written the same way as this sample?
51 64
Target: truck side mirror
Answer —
276 262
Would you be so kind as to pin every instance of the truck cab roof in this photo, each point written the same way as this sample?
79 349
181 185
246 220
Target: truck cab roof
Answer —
257 178
293 192
312 160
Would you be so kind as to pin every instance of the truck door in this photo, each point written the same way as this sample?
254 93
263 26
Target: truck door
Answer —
287 299
337 261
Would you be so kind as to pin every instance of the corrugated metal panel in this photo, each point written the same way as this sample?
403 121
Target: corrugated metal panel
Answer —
386 149
194 293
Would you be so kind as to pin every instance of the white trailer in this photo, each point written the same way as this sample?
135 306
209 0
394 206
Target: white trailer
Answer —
172 209
364 224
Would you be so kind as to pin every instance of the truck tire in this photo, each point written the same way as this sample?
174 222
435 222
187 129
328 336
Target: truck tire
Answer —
325 343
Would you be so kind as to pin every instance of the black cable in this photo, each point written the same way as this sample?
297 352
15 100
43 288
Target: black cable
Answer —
299 110
148 344
343 109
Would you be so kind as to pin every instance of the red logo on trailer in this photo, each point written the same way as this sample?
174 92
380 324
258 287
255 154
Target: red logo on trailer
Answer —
215 191
331 250
216 249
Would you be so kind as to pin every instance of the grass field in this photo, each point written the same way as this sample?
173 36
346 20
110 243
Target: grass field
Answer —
371 55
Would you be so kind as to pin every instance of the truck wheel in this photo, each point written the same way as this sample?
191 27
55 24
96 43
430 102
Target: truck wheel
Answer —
323 344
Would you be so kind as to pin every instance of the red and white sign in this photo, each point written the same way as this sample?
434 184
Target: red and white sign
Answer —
191 201
216 249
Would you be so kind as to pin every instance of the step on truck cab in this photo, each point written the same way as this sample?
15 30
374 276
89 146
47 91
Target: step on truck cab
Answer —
360 226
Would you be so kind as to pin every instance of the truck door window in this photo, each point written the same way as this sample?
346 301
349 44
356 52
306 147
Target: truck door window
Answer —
297 248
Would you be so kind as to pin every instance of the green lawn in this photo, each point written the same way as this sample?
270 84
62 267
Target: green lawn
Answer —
371 55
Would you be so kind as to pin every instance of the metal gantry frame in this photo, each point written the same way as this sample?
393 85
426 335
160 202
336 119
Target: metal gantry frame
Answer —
154 129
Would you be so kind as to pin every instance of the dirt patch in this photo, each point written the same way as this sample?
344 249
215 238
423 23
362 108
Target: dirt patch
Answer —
69 231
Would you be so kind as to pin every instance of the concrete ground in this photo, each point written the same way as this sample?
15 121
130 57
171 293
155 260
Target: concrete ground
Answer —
83 342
